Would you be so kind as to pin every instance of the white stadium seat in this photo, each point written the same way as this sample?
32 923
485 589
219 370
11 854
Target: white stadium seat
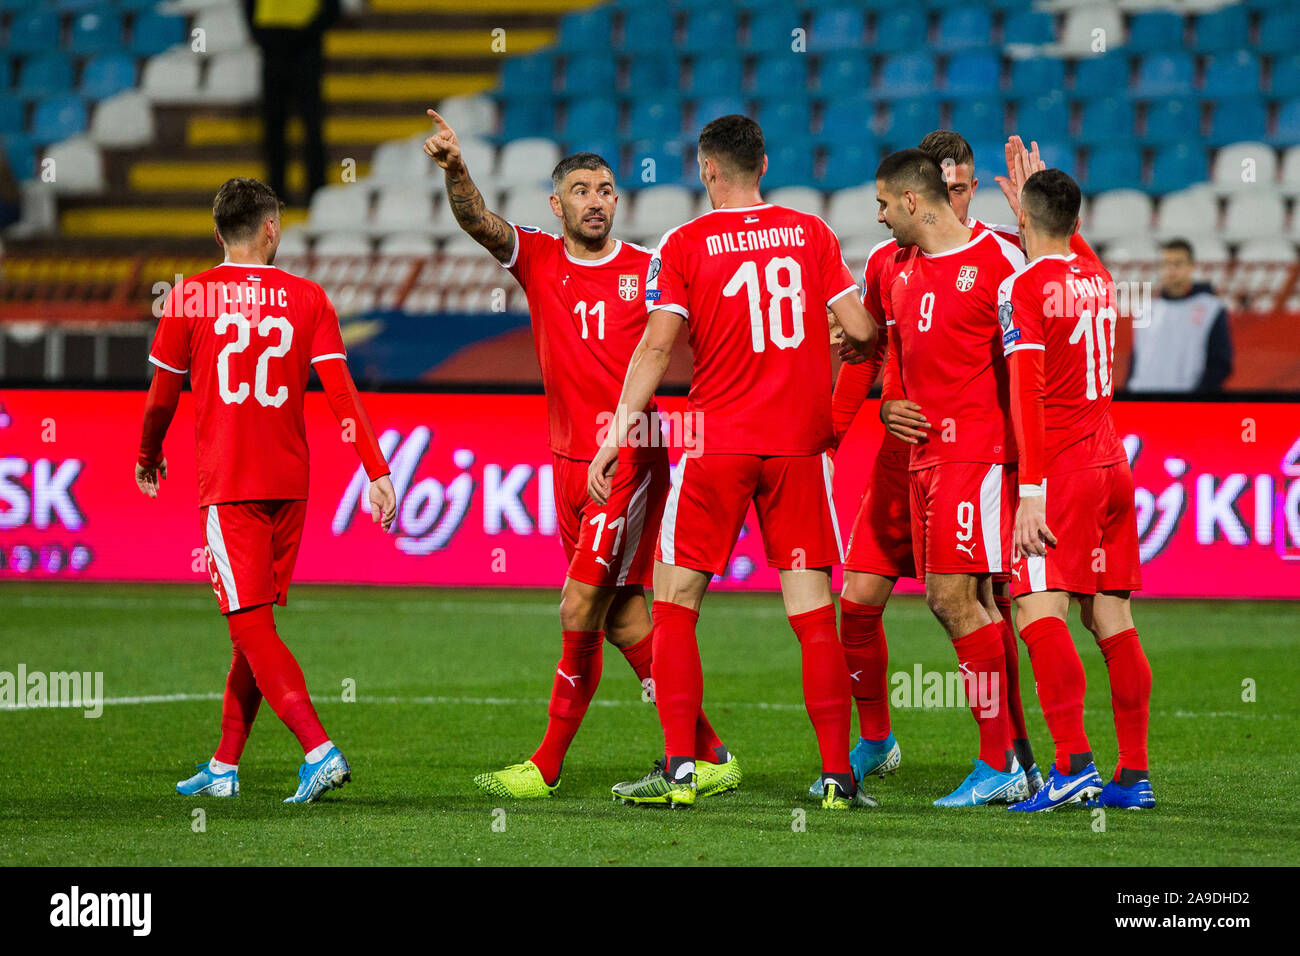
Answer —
234 76
172 77
293 243
1187 213
1209 249
404 209
989 206
529 206
1266 250
527 162
406 244
1291 171
803 198
1120 212
480 158
123 121
224 28
474 115
1130 249
1077 36
1231 166
851 213
658 209
78 166
1253 215
461 244
403 162
339 207
343 244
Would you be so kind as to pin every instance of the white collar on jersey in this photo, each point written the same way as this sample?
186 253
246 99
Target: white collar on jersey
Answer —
962 248
618 245
248 265
762 205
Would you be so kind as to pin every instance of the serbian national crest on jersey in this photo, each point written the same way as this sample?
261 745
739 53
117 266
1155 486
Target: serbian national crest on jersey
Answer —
966 278
628 287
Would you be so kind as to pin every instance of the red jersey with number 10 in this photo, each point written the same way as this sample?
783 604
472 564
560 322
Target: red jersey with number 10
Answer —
247 335
753 284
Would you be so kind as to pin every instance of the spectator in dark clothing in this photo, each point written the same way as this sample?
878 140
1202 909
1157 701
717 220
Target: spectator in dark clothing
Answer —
1185 345
290 34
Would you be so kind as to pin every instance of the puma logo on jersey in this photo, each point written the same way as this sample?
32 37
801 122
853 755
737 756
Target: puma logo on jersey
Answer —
969 549
573 681
602 561
905 276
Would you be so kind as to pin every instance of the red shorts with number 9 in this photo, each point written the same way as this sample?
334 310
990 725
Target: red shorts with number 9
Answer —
962 517
251 547
611 545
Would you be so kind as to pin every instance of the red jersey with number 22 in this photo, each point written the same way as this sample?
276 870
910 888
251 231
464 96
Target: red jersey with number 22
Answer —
753 285
247 334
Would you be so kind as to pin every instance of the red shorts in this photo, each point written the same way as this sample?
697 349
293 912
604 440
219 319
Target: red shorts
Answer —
962 517
881 540
611 546
711 495
1092 514
251 547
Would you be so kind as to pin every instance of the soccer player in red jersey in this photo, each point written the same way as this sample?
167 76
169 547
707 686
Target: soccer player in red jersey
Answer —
247 334
752 282
880 543
584 291
1076 526
945 391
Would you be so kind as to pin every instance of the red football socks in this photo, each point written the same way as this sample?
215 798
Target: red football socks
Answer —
825 685
707 743
238 710
983 663
1015 710
1130 697
277 673
576 678
1059 678
862 631
678 677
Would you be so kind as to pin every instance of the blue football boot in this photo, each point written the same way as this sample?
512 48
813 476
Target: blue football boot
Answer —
1062 789
1137 797
205 783
869 758
328 773
986 785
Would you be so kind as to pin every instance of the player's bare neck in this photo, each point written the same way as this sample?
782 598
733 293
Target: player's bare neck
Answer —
581 249
941 231
740 198
247 255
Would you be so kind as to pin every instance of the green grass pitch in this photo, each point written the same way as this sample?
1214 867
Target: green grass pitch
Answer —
449 683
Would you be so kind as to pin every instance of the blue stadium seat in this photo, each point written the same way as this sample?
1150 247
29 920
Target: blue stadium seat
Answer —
590 30
58 117
907 74
990 162
1234 73
786 117
589 117
770 29
965 28
1288 123
840 28
1058 155
1110 119
603 146
910 120
154 32
973 73
33 32
849 164
1164 74
1279 31
650 30
1028 26
708 30
6 75
12 115
586 72
1156 30
1286 76
847 119
1237 120
711 107
1225 29
789 164
1037 74
1177 167
95 31
1101 76
20 152
983 113
1045 118
1113 167
713 75
654 117
844 74
107 74
527 116
669 167
651 73
532 74
777 74
1172 120
45 74
899 31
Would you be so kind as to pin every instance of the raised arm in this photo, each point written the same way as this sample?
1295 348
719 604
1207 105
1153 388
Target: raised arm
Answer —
486 228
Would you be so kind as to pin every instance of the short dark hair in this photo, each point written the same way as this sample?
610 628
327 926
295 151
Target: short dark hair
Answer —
241 206
736 142
1051 199
946 145
592 161
1179 245
914 169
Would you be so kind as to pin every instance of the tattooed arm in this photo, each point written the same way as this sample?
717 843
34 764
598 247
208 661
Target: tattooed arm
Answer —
487 228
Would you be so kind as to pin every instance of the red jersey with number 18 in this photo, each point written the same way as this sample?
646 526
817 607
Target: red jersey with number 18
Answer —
587 318
753 285
247 335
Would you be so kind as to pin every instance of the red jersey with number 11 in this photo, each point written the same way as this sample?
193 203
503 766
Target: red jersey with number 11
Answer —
247 335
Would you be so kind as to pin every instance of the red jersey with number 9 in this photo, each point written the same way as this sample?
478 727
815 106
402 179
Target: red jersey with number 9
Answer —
753 284
247 335
587 320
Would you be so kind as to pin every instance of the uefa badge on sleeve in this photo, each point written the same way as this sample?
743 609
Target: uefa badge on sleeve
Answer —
628 287
966 278
1004 315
